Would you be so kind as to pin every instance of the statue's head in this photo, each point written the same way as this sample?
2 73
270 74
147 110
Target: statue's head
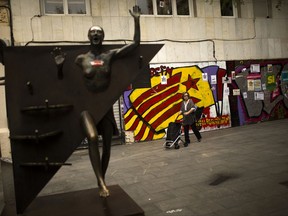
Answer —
96 35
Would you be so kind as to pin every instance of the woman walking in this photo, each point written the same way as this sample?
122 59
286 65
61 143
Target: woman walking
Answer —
188 109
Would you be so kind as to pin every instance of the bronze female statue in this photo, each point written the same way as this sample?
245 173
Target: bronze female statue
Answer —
96 67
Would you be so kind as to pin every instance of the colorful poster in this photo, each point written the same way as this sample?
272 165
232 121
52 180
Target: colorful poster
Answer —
163 80
233 75
226 91
236 92
284 76
255 68
250 85
259 95
213 79
205 77
257 85
269 68
245 95
270 82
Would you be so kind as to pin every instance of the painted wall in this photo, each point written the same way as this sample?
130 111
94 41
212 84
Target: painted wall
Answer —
264 94
227 94
148 111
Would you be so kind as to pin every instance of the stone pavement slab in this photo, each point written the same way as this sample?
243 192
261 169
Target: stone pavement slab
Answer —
234 171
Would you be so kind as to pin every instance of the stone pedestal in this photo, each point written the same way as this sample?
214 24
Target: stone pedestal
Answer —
8 187
7 179
84 202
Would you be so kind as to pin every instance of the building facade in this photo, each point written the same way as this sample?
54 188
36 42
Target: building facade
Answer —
231 55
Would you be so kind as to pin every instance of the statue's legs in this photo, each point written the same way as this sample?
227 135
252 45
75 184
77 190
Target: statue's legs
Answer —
107 132
94 154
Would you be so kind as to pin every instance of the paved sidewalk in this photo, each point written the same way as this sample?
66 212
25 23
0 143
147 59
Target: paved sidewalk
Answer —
240 171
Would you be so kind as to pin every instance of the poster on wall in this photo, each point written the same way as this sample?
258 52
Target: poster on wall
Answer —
269 68
258 95
270 82
236 92
255 68
245 95
163 80
233 75
284 76
213 79
257 85
205 77
226 91
250 85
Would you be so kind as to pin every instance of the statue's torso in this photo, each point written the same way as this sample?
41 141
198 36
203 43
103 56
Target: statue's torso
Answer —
97 70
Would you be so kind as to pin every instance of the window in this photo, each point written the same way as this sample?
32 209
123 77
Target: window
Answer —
262 8
182 7
226 8
76 7
65 6
53 7
164 7
146 6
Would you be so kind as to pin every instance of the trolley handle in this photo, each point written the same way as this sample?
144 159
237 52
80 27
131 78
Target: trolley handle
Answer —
176 117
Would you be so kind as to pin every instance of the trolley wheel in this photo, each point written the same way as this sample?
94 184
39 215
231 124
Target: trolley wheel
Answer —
177 146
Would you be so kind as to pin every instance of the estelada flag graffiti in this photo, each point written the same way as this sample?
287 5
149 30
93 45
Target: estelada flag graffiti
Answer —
152 109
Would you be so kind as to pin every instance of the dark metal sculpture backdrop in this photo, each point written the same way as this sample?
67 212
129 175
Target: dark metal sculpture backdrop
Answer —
44 107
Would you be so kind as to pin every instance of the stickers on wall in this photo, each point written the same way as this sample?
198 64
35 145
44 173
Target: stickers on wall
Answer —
258 95
233 75
250 85
254 82
226 91
213 79
205 76
245 95
163 80
257 85
255 68
236 92
269 68
284 76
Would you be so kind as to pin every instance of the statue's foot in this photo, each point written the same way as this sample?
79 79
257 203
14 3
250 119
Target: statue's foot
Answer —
104 192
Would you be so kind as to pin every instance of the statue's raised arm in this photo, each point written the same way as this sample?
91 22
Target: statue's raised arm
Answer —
136 40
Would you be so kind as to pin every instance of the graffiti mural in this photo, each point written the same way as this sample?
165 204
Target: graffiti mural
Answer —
148 111
232 93
264 93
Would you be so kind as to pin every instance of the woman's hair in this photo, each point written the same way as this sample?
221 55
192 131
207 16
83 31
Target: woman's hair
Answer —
185 93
